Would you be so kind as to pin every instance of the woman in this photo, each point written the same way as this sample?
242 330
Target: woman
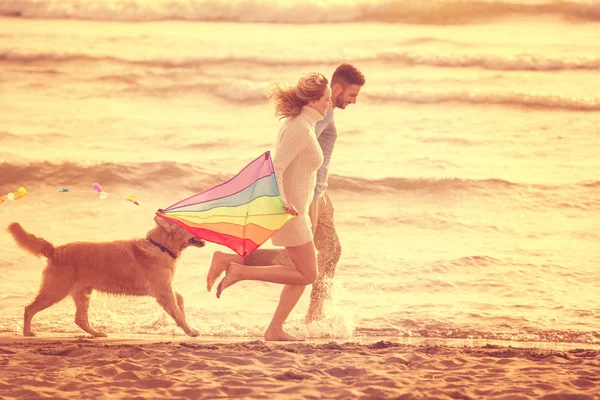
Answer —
297 158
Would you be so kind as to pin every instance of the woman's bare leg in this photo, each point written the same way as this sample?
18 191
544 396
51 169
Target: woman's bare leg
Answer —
218 265
304 271
295 278
287 301
306 258
220 262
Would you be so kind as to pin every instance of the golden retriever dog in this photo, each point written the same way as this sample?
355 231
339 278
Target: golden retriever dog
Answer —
137 267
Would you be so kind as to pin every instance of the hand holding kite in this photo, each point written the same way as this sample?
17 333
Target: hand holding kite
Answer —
290 209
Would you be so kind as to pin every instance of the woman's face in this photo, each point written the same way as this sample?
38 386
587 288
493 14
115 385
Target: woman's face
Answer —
323 103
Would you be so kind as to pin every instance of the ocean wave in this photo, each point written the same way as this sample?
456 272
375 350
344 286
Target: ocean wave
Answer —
591 184
339 182
188 62
527 195
433 12
147 176
232 90
514 62
508 62
243 90
150 175
507 98
192 178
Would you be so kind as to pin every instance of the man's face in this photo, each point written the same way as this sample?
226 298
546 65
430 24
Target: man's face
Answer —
347 96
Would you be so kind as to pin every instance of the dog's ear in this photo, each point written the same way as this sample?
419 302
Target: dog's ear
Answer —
163 223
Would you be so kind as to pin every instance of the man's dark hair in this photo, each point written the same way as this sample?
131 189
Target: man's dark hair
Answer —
347 74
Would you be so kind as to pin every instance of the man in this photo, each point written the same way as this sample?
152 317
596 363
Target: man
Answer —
346 82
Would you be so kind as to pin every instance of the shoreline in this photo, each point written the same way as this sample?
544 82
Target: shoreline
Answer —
358 341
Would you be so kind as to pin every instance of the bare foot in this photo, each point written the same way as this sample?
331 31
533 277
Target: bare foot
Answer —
321 292
315 312
218 264
279 335
231 277
313 317
192 332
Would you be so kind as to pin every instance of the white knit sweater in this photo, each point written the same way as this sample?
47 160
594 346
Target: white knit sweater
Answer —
297 158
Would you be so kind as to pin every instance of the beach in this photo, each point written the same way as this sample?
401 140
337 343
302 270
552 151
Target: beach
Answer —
464 180
60 368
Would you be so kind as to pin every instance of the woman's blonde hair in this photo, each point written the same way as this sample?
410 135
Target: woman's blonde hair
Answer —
289 100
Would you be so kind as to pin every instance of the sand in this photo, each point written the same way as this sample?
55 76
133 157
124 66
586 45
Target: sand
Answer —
83 368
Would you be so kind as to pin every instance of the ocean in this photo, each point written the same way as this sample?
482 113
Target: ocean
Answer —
465 179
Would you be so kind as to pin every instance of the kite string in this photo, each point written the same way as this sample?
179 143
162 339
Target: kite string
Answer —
22 192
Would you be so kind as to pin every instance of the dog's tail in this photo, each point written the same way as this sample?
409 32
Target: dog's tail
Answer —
29 242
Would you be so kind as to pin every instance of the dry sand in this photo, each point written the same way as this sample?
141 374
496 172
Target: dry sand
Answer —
82 368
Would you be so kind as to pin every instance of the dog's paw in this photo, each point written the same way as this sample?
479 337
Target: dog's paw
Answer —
98 334
30 334
193 332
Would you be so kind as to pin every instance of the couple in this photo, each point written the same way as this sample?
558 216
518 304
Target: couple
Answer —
301 161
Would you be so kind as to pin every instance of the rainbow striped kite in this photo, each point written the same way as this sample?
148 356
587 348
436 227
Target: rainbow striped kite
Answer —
241 213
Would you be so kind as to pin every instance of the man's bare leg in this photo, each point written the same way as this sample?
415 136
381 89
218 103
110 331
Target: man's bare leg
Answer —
318 295
322 288
328 245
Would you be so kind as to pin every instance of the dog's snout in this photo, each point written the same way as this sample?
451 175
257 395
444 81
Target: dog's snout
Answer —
194 241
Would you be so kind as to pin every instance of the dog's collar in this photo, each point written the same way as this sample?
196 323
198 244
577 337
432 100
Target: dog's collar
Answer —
162 248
